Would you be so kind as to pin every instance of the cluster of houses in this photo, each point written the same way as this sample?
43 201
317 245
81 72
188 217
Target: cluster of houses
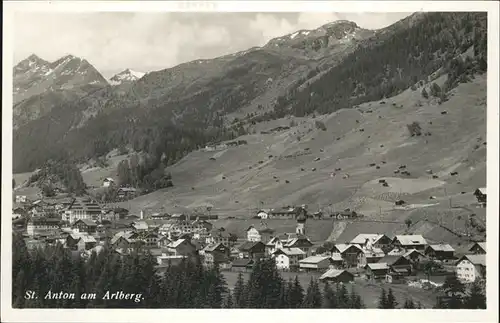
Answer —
373 256
81 226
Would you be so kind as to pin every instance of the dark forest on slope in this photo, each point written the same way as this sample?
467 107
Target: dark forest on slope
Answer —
383 70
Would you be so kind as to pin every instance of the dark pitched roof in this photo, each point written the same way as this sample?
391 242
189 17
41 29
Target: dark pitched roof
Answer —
389 260
249 245
87 222
212 247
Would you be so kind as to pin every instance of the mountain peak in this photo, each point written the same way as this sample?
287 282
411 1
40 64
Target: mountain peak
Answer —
33 57
340 23
34 76
70 56
126 76
31 62
326 36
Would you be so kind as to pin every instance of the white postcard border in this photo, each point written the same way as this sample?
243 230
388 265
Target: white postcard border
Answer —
154 315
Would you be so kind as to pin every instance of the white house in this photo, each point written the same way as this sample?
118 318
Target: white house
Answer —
289 240
288 258
107 182
21 199
253 234
264 233
471 267
264 213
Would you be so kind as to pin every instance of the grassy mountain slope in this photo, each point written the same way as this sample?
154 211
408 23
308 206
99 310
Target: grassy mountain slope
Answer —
236 181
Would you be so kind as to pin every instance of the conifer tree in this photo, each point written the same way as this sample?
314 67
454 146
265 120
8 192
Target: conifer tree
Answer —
409 304
342 296
228 303
453 287
382 301
313 297
296 294
329 297
355 300
19 289
283 297
317 297
239 299
391 300
476 298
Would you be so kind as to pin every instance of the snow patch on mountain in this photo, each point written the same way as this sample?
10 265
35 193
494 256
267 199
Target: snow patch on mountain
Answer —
126 76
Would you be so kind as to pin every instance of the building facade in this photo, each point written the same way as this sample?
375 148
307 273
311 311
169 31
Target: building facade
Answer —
82 209
43 226
471 267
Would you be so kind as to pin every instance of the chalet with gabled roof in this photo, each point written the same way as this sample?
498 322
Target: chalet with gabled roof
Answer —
350 253
440 251
319 263
215 254
478 248
376 271
252 250
364 240
368 256
126 240
337 276
125 193
140 226
407 242
84 226
182 247
397 264
415 256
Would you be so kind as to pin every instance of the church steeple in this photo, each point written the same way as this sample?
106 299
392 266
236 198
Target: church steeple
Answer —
301 221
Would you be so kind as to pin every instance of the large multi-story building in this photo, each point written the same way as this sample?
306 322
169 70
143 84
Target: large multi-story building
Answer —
82 209
43 226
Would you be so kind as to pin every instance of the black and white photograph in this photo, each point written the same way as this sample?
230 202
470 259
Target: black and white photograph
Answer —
204 157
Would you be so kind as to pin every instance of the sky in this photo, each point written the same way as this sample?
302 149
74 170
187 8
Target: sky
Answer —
148 41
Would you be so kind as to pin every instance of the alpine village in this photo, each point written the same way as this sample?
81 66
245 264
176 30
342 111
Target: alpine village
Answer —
339 167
